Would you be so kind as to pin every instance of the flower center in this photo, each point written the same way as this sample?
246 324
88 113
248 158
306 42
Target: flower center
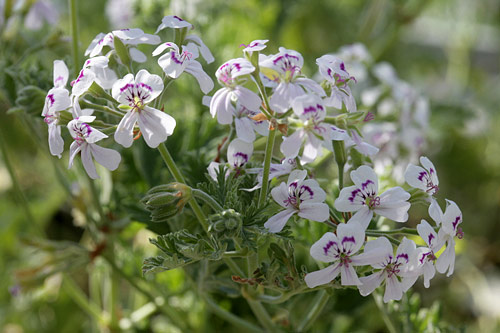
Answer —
137 104
373 201
460 234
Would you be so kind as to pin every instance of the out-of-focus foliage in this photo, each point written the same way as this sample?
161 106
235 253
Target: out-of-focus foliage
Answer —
449 49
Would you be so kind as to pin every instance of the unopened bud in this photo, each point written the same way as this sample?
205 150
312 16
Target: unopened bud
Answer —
166 201
226 223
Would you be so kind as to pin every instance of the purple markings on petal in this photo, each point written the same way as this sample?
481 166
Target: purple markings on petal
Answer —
328 245
175 59
457 221
240 159
354 194
237 66
431 170
51 99
342 66
178 18
148 87
429 240
127 86
365 184
402 255
348 240
59 78
307 189
421 175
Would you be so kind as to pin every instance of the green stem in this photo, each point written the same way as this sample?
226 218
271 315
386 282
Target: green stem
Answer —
17 188
319 303
385 315
97 107
267 166
74 36
400 231
79 297
260 312
174 170
228 316
199 194
170 312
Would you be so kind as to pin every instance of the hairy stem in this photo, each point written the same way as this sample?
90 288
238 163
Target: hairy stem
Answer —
267 166
74 36
199 194
319 303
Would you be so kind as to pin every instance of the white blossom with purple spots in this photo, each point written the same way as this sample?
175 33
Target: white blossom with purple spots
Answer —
352 139
94 70
238 154
314 132
298 196
85 138
255 46
174 63
340 249
229 76
392 270
155 125
275 170
57 100
131 37
425 178
285 69
333 70
449 222
363 198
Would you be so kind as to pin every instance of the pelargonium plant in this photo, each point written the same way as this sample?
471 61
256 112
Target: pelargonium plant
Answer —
283 128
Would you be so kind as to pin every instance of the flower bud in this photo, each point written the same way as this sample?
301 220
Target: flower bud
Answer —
226 223
166 201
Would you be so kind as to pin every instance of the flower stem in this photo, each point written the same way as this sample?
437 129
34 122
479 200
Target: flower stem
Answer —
174 170
399 231
97 107
267 166
74 36
385 315
260 312
79 297
228 316
319 303
199 194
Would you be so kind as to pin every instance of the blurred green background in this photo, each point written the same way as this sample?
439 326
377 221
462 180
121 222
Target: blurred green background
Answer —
448 49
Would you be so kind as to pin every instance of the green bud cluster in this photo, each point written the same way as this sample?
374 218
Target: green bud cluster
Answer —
166 201
226 224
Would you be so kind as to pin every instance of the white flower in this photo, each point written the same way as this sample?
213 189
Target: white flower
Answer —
298 196
174 63
255 46
57 100
94 70
426 257
228 76
175 22
363 199
137 92
340 249
39 12
246 126
423 179
276 170
238 154
128 37
352 139
449 221
285 68
309 108
393 269
85 142
332 69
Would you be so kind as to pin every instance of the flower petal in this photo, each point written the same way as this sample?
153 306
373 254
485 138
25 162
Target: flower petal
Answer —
351 237
348 275
376 253
326 249
370 283
124 134
244 129
277 222
314 211
393 290
280 195
194 68
108 158
155 126
88 163
323 276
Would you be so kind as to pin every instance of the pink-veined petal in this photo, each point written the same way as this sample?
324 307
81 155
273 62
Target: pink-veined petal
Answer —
61 74
124 134
155 126
151 84
280 195
351 237
326 248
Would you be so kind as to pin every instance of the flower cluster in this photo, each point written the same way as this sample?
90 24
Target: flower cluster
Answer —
264 95
320 117
132 100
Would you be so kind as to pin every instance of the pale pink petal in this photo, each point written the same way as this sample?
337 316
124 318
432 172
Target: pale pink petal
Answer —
247 98
348 276
244 129
350 200
376 253
393 204
446 261
435 212
61 74
150 84
370 283
393 290
74 149
137 55
194 68
204 50
280 195
239 153
323 276
351 237
362 217
120 90
314 211
365 179
124 134
415 176
277 222
452 218
108 158
56 143
88 163
426 163
155 126
291 145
